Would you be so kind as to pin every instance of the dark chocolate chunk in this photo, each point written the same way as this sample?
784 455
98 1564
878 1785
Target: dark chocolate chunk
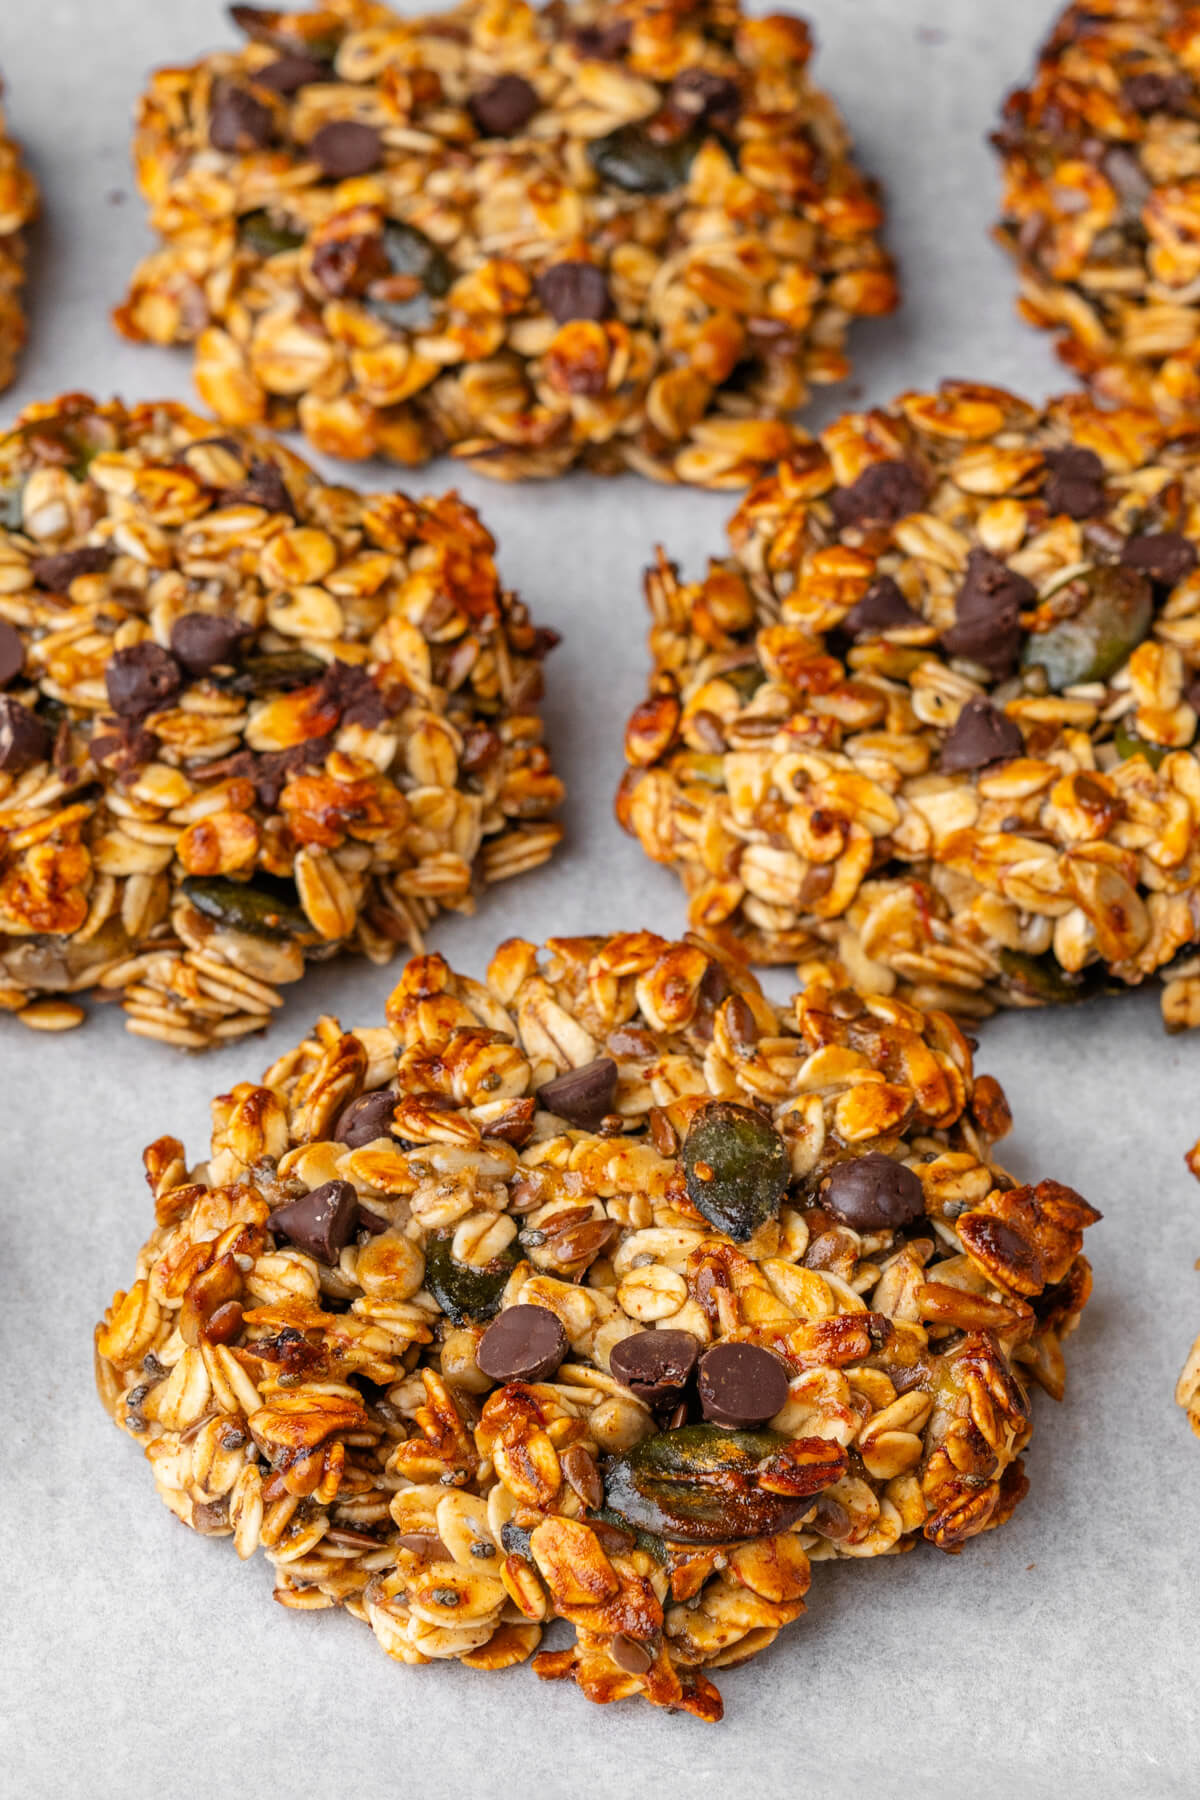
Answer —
320 1223
523 1343
56 573
655 1365
12 653
582 1096
705 96
1165 556
290 72
502 107
603 43
873 1193
365 1119
200 641
264 486
980 735
141 679
24 739
237 122
1151 92
574 290
987 628
882 608
741 1385
348 265
1076 482
345 147
885 492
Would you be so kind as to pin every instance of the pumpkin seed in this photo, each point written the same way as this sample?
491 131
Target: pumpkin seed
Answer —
274 671
411 253
262 908
1114 612
11 515
736 1166
262 234
700 1485
464 1293
1129 744
631 159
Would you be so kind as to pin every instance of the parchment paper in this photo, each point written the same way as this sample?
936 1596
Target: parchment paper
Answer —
1055 1657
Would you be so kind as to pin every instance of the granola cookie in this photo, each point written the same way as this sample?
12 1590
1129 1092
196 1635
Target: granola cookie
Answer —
936 713
605 1291
18 206
618 235
1101 206
246 719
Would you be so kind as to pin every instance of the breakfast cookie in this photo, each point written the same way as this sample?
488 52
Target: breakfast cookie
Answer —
1101 208
603 1290
618 235
246 719
935 714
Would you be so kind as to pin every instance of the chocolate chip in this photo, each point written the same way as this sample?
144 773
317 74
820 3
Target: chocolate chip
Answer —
885 492
1151 92
523 1343
320 1223
201 641
12 653
629 1655
705 96
24 740
504 105
289 73
987 628
264 486
237 121
1076 482
980 735
348 265
574 290
882 608
741 1385
582 1096
1165 556
141 679
345 147
365 1119
56 573
603 43
873 1193
655 1365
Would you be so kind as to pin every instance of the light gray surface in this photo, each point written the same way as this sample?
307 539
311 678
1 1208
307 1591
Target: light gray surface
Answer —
1056 1657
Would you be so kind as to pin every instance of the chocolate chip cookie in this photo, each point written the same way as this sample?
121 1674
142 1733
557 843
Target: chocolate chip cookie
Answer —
604 234
936 713
463 1357
246 719
1101 208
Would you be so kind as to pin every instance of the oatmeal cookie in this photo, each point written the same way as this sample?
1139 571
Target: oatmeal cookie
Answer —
1101 207
936 713
246 719
619 235
18 207
604 1290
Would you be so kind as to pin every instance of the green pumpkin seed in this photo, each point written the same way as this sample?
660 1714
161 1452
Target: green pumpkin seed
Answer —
410 252
1116 606
737 1168
463 1292
699 1485
1041 979
11 515
275 671
1129 744
259 232
631 159
250 906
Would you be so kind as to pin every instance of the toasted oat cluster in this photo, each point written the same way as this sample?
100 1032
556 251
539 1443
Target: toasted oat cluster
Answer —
603 1291
1101 206
18 205
246 719
936 713
611 234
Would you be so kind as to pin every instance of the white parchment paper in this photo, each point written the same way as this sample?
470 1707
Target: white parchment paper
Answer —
1058 1656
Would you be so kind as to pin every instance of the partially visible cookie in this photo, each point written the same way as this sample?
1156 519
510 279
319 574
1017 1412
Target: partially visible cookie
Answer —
1101 206
246 719
18 206
612 234
606 1291
936 712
